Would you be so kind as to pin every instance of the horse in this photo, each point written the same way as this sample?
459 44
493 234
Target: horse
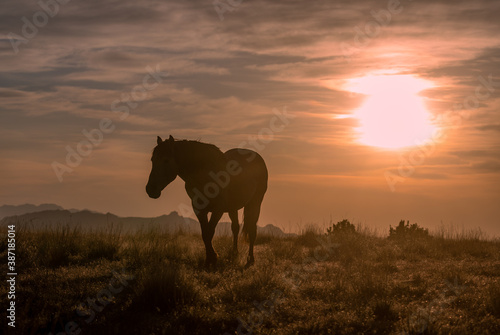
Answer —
216 183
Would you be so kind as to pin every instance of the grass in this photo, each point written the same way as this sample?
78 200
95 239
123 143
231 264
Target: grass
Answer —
343 282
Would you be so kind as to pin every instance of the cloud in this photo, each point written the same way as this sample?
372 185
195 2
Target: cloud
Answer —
489 166
11 93
490 127
225 78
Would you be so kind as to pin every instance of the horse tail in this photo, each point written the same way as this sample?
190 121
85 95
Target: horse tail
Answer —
250 216
249 230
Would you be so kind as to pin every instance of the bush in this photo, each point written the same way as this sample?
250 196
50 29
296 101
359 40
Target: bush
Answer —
407 231
342 227
308 237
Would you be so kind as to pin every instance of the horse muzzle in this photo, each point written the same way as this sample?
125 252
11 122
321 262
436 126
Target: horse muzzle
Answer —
153 192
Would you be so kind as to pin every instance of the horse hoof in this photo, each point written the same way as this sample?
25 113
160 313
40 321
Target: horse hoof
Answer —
210 266
233 255
249 263
211 262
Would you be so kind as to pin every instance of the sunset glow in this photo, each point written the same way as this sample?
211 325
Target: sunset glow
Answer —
240 167
336 96
393 114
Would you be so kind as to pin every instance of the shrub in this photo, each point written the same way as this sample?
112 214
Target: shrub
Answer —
308 237
407 231
342 227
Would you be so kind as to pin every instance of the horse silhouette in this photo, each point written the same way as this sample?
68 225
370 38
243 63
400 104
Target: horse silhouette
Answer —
216 182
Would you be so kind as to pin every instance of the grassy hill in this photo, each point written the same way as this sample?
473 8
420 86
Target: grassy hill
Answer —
345 281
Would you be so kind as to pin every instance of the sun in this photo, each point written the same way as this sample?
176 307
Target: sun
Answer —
393 115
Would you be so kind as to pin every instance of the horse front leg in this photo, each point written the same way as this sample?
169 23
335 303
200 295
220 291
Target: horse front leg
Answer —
207 233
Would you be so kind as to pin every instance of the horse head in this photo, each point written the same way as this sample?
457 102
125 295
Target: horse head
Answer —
164 169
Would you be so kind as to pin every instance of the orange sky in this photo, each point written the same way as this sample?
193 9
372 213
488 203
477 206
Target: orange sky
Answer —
229 73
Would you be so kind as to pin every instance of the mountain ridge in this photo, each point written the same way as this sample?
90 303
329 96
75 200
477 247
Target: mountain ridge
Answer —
11 210
95 221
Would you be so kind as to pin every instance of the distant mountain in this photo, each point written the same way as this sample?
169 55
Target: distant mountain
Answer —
10 210
87 220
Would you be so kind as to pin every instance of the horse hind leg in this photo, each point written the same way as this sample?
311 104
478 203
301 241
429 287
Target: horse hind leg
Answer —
235 227
251 216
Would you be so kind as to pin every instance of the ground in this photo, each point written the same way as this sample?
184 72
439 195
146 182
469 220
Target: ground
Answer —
343 282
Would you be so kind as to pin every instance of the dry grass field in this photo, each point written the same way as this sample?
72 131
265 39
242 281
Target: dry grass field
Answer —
344 281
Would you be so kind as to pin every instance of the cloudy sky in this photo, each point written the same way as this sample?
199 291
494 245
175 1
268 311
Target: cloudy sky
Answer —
220 72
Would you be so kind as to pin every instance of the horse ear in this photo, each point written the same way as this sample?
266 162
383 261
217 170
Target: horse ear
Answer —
159 140
170 138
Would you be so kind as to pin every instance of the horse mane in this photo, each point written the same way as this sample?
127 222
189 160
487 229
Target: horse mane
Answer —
202 154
